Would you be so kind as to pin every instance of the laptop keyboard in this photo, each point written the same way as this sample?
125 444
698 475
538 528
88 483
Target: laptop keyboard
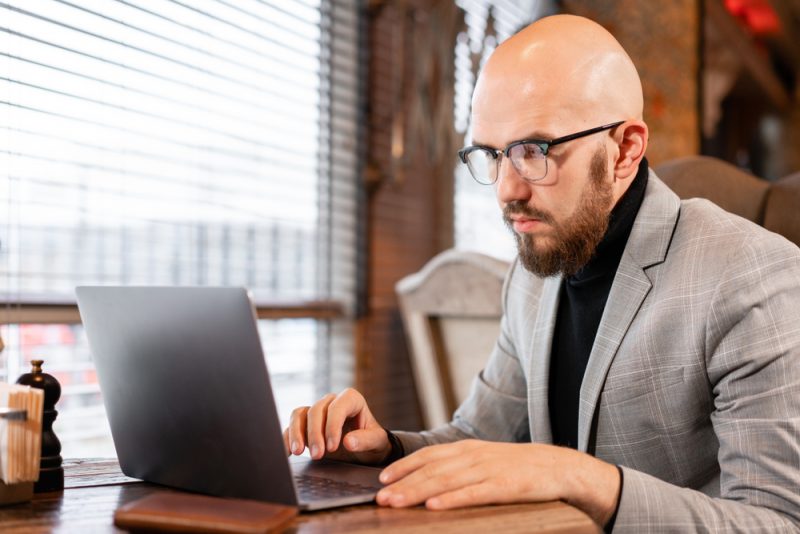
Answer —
312 488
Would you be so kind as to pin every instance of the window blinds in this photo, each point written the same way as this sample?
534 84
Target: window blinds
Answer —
180 143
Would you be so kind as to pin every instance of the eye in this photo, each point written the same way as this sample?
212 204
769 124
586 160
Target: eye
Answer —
531 151
488 154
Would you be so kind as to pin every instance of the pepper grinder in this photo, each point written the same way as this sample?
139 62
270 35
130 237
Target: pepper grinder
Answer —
51 474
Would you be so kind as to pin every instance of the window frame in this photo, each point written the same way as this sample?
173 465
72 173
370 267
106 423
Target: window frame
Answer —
67 312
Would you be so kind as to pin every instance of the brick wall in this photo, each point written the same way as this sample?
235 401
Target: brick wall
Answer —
662 39
412 146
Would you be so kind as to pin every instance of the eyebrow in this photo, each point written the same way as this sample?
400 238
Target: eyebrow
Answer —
531 137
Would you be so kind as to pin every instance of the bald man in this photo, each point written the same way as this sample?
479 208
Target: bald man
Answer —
648 365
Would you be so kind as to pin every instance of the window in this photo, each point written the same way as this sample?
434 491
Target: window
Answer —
478 222
176 143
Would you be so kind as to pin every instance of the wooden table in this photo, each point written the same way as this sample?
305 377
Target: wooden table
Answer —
95 488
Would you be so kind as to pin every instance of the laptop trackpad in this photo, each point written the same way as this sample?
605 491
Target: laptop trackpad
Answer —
327 483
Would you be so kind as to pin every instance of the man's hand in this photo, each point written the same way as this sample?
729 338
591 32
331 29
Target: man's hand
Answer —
470 473
339 427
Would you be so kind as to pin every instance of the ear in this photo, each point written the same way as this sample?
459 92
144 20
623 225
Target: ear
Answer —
632 141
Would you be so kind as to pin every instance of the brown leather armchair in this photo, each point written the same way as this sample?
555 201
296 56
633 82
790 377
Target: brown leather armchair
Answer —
782 210
776 205
725 185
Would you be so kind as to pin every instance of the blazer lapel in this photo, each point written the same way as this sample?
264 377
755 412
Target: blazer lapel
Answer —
539 371
647 246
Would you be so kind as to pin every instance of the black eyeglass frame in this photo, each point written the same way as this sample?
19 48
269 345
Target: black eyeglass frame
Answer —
544 145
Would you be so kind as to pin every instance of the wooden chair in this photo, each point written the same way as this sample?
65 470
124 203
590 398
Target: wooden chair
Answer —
451 313
725 185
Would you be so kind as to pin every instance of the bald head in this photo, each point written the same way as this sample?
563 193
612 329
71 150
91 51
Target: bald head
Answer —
561 72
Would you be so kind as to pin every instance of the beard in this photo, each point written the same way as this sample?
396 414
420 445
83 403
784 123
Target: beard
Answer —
576 238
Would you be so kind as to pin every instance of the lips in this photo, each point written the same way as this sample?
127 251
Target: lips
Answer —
524 224
522 218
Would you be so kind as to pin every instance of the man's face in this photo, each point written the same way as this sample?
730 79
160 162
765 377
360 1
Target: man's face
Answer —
569 242
557 78
558 221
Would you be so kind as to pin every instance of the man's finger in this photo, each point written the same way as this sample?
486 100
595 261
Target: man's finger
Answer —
349 403
425 456
470 495
365 440
297 430
315 426
431 480
286 442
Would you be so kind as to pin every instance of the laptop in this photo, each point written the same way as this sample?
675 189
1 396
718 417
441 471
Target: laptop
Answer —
189 400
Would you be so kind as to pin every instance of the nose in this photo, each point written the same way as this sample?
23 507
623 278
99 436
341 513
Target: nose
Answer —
510 185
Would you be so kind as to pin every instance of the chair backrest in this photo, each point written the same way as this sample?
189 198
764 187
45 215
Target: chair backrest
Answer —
725 185
451 312
782 210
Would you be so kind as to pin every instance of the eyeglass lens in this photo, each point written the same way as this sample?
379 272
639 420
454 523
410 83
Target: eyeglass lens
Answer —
528 159
483 166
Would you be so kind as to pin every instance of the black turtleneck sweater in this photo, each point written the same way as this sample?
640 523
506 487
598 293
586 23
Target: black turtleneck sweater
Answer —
581 303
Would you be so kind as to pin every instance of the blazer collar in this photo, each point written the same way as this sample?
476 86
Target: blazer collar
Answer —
541 346
647 246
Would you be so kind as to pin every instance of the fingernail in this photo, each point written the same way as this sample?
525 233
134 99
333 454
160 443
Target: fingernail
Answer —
314 451
352 441
331 444
295 447
433 503
397 499
384 477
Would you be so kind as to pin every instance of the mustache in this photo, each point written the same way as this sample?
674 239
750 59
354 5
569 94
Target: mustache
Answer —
519 207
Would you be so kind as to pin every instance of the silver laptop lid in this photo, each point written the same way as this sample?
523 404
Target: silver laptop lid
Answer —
186 389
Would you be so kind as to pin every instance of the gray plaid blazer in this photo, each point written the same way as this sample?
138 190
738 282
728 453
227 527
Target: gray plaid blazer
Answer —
693 383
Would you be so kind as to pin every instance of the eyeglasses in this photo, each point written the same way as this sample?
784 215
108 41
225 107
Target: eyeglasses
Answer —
528 156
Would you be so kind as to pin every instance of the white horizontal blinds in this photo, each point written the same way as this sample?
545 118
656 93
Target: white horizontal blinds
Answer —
342 64
478 223
173 142
178 142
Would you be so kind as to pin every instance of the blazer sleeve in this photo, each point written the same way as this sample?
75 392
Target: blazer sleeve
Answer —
496 408
753 366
